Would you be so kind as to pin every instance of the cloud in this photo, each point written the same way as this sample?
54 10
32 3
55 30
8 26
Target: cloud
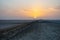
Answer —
51 12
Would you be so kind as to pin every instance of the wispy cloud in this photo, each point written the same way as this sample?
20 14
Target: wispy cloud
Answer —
49 9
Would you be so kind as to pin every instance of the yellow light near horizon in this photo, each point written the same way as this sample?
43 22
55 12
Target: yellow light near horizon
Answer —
35 17
35 12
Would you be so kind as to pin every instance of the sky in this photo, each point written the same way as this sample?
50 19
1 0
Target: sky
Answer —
29 9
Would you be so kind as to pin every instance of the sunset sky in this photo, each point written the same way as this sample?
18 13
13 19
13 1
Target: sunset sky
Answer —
29 9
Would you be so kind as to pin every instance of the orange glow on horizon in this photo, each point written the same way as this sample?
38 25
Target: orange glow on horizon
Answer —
35 12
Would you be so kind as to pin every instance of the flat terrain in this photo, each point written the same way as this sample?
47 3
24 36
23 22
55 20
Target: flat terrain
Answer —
38 31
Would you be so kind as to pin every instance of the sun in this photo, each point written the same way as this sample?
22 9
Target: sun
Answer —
35 13
35 17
